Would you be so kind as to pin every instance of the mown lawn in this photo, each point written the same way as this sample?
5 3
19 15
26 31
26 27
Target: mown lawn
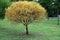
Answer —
44 30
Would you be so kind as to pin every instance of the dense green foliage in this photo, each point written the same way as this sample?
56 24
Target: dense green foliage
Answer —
3 5
52 6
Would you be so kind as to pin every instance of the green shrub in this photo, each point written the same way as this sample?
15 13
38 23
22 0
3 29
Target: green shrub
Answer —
3 4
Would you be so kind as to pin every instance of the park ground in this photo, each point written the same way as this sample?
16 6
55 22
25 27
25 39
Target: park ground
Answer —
44 30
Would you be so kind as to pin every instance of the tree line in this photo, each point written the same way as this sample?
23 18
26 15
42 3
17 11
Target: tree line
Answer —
52 6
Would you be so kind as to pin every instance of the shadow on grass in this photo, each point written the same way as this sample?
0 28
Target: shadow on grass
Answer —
14 34
2 28
23 35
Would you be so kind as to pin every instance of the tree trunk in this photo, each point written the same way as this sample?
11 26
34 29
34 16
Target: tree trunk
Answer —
58 20
58 16
27 29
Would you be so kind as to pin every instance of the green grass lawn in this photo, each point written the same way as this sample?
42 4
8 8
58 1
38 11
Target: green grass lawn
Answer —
44 30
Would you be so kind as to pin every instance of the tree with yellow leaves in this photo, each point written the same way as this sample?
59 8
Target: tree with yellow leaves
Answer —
25 12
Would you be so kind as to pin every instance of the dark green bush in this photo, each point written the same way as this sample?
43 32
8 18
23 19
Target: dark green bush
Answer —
3 4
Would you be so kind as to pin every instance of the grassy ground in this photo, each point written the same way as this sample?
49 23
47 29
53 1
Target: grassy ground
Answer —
45 30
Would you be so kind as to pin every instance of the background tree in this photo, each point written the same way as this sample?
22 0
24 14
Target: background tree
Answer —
3 4
25 12
51 6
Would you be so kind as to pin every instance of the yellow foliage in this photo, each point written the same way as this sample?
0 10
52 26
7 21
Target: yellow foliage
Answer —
25 12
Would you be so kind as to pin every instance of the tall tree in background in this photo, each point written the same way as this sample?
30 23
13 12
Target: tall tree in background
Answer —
52 6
